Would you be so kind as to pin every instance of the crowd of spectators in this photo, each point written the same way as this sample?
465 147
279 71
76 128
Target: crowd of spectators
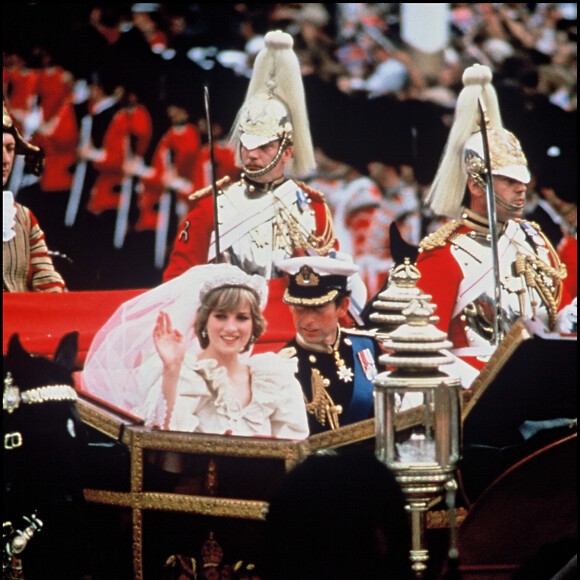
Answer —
380 107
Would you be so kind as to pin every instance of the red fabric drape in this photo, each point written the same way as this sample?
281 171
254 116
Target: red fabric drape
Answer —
42 319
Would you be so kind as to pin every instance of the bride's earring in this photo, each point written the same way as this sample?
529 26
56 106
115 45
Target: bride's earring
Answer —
204 333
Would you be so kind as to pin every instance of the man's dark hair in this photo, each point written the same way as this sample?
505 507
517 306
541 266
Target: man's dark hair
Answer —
339 516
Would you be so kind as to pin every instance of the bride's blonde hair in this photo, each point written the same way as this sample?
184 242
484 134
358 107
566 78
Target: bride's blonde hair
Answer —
229 299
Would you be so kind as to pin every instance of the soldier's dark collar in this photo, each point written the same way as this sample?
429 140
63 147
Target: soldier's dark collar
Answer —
255 188
324 348
479 223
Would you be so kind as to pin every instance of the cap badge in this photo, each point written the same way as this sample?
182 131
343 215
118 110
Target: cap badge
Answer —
306 277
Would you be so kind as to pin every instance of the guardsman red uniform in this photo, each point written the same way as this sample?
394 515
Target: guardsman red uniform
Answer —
54 86
59 137
455 262
225 164
105 152
20 84
264 217
127 135
173 165
302 205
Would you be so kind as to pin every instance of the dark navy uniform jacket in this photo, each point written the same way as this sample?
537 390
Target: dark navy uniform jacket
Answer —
337 380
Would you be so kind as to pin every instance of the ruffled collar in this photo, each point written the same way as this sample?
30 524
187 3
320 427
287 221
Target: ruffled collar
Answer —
227 404
215 376
8 216
218 384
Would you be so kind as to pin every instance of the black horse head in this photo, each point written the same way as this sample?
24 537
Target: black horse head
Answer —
44 445
42 428
30 371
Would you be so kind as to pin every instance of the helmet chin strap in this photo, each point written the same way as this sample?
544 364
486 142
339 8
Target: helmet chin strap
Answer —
506 204
261 172
480 181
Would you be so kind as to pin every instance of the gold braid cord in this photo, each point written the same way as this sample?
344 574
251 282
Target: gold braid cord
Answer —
545 279
325 241
287 225
312 193
538 275
439 238
201 193
322 406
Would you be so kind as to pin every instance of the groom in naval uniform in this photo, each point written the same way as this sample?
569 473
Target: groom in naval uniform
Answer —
336 365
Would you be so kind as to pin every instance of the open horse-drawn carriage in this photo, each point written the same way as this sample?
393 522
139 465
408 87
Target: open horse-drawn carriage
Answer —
160 504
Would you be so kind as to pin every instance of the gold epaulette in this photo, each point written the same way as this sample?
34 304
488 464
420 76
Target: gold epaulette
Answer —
535 225
201 193
287 352
439 238
358 332
313 193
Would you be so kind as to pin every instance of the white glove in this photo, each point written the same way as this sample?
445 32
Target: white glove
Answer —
567 319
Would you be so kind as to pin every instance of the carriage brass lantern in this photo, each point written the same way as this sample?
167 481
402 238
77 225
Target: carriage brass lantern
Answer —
422 457
390 303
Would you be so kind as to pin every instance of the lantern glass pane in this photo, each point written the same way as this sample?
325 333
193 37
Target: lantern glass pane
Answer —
418 445
386 404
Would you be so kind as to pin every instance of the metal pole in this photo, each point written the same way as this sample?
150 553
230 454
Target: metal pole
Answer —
213 177
491 215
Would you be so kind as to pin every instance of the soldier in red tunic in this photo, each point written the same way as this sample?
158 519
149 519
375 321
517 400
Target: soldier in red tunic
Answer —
266 216
456 262
172 166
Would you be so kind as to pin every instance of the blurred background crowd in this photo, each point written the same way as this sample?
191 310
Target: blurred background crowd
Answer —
381 82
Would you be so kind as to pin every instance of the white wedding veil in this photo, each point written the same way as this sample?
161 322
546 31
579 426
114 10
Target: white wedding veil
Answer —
125 343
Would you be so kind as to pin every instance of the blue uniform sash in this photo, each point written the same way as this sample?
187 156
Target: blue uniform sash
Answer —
362 400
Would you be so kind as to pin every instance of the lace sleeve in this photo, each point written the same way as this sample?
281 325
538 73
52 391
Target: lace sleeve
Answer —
157 414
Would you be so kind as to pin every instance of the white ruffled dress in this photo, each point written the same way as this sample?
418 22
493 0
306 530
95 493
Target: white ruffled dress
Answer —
206 401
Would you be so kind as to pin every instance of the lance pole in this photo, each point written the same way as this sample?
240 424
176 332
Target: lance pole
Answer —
213 176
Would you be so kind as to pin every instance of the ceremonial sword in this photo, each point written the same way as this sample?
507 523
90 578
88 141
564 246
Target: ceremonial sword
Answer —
79 177
163 217
492 217
122 221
